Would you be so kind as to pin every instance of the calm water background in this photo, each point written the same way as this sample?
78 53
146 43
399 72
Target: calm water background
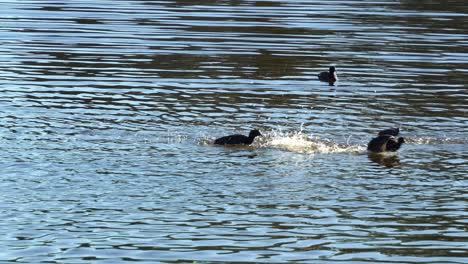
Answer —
107 110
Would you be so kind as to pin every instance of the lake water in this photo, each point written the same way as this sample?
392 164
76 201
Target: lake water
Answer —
108 110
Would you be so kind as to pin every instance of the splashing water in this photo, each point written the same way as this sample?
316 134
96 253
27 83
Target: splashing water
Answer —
300 143
297 142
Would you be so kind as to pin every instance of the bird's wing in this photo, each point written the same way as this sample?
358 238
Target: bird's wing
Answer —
378 144
394 131
392 144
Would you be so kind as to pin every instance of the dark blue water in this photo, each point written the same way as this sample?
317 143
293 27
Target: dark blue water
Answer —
108 110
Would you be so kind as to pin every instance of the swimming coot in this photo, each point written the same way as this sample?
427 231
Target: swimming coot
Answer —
238 139
329 76
384 143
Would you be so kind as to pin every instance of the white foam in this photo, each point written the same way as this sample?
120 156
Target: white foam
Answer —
299 143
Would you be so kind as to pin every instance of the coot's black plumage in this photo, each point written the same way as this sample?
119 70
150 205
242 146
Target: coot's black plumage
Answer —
393 145
384 143
329 76
394 131
238 139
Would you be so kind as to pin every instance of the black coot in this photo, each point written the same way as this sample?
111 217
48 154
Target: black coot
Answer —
329 76
386 141
238 139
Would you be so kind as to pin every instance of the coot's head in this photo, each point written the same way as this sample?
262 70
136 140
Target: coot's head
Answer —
332 69
401 140
253 133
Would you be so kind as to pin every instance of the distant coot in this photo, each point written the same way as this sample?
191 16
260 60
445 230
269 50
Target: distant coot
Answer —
386 141
329 76
238 139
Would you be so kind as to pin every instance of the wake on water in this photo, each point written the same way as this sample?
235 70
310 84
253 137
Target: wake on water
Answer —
299 142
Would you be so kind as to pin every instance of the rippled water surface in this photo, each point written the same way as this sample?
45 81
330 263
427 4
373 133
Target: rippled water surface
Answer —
108 110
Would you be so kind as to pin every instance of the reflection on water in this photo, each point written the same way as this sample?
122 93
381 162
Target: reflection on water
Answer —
388 160
109 108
